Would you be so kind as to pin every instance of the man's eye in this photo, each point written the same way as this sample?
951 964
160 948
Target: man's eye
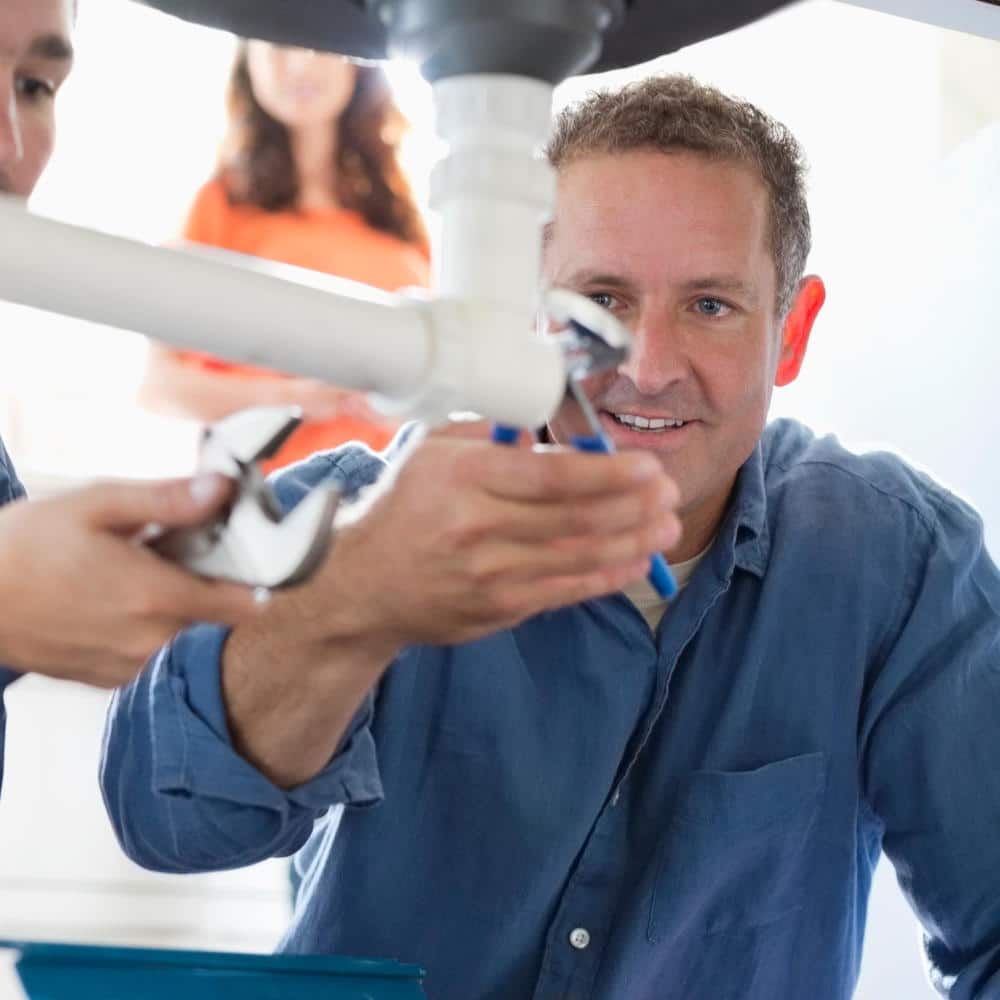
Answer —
35 89
708 306
604 299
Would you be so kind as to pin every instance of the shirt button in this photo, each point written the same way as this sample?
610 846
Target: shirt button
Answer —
579 938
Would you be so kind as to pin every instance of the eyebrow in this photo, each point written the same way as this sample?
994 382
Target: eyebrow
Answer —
53 47
722 283
726 283
604 279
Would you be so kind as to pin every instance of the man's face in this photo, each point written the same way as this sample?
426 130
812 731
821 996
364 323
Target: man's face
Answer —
35 58
676 247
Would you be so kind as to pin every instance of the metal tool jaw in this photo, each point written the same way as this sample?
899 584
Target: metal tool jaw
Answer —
254 542
592 341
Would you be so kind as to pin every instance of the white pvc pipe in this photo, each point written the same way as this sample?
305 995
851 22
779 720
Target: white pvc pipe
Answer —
299 322
493 190
474 348
428 357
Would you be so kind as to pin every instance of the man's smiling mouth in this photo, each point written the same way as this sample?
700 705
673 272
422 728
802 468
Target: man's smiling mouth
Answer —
652 425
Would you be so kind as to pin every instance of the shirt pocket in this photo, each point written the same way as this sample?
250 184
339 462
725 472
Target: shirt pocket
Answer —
737 854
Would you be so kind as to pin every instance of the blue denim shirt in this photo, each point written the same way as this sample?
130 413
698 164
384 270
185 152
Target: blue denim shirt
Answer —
707 802
10 489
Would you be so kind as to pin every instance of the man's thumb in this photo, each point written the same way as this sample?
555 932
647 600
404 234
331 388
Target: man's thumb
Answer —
170 503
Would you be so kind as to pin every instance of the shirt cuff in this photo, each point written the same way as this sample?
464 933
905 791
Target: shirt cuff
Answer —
193 755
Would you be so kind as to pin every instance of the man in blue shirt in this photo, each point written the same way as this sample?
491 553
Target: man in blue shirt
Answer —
500 765
79 598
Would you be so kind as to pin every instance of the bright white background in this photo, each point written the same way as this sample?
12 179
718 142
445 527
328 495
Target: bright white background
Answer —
895 117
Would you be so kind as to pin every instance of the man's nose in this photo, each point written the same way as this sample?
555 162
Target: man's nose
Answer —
11 144
658 358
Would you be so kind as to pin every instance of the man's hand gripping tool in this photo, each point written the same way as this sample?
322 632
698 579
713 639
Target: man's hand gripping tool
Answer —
593 341
253 542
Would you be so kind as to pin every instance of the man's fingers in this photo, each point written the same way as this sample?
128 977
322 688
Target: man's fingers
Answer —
179 598
127 506
646 504
504 563
561 591
474 429
550 475
225 603
574 589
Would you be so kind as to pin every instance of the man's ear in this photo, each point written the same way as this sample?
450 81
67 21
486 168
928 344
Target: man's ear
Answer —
798 325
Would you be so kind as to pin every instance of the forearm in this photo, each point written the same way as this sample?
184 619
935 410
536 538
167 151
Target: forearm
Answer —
289 704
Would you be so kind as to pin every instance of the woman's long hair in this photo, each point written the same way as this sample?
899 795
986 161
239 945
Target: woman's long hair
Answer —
257 166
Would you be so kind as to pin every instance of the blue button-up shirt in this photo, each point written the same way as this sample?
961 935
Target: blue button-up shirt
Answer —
10 489
707 802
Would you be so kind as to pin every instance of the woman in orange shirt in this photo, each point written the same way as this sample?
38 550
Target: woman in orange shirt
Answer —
309 175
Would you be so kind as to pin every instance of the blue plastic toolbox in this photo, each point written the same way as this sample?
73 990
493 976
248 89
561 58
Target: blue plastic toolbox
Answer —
81 972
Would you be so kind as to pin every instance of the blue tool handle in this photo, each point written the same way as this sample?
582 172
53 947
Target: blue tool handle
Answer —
504 435
592 442
660 577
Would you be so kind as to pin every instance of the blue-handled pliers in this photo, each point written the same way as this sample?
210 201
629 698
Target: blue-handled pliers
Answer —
660 577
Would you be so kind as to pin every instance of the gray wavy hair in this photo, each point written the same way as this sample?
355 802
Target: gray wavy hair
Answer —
676 113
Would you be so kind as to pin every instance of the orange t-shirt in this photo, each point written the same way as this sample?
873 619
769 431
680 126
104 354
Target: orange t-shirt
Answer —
337 242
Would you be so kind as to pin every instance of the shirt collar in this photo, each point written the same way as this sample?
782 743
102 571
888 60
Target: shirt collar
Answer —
744 540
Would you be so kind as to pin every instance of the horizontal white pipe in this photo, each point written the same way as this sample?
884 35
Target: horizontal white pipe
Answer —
431 357
278 317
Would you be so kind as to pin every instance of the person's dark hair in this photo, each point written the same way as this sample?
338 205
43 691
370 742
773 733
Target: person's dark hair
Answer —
676 113
257 167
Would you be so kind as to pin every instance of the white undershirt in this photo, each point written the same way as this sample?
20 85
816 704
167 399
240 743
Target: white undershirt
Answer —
649 602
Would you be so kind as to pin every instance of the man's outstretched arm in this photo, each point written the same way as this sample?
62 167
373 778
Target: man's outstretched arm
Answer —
460 540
